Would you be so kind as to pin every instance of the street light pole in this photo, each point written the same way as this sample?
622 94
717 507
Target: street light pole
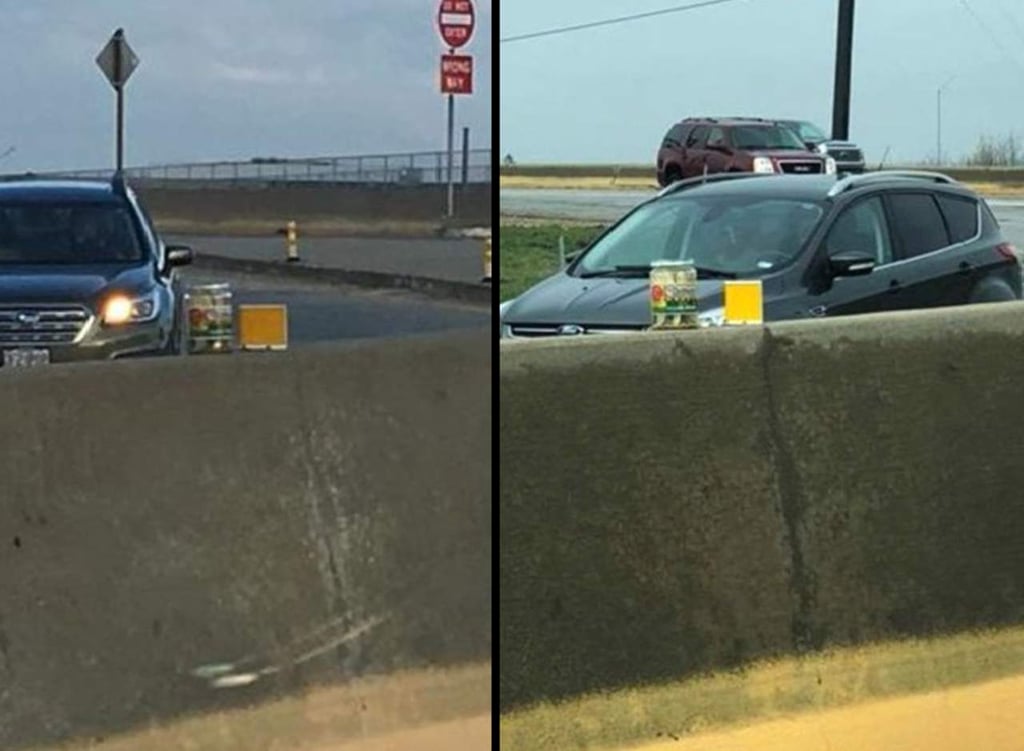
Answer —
841 87
938 121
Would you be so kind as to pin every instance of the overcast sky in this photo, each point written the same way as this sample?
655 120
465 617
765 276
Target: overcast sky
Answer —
608 94
231 79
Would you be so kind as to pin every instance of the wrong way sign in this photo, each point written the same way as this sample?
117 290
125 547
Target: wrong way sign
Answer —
456 74
455 21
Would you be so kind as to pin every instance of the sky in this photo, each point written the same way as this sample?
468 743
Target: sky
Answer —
231 79
608 94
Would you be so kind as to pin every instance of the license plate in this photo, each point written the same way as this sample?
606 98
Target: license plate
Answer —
26 358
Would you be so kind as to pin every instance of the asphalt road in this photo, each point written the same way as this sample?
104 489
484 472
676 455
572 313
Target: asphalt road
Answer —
324 313
608 205
459 260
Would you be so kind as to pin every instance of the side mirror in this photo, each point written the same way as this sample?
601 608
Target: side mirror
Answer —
851 264
178 255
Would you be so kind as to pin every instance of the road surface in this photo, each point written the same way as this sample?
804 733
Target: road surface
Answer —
324 313
603 206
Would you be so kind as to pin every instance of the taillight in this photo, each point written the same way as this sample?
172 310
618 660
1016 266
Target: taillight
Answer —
1008 251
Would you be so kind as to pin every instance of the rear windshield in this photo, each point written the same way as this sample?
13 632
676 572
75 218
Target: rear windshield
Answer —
765 137
74 233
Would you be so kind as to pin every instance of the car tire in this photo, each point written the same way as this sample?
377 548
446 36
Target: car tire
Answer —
994 291
672 174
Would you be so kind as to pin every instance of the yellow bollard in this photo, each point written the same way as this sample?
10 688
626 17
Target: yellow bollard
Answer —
292 240
487 261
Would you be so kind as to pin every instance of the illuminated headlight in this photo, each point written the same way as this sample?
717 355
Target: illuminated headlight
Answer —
830 166
121 309
714 317
763 164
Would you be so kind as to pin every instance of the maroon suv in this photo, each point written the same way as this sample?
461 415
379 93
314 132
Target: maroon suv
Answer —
704 145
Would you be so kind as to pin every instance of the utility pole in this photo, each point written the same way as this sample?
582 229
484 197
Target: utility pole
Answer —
841 89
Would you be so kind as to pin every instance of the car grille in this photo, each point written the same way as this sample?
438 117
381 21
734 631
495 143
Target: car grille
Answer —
793 167
845 155
23 326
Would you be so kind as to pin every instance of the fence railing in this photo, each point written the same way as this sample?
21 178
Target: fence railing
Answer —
430 167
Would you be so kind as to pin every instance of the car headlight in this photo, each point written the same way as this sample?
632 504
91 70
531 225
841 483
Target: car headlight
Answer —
830 166
822 148
122 309
763 164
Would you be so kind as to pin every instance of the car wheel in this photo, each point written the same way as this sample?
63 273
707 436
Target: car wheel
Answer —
672 174
991 292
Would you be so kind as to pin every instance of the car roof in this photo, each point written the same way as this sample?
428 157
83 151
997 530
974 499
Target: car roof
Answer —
746 121
26 189
798 187
810 187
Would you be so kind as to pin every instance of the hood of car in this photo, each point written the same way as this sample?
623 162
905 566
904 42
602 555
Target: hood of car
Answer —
55 283
788 154
603 302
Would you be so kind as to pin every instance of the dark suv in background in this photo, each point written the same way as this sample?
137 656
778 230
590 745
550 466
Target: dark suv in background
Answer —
699 146
847 155
83 274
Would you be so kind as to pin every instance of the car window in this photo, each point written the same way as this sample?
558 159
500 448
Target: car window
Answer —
716 137
696 138
747 236
674 137
765 137
861 228
961 216
917 224
78 233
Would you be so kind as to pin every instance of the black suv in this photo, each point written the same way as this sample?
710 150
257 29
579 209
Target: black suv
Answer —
83 274
821 245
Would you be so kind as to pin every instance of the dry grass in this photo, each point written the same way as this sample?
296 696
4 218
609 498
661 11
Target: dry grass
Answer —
989 716
412 710
765 691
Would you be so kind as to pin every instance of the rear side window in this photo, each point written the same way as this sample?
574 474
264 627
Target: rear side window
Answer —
675 136
961 217
917 224
697 136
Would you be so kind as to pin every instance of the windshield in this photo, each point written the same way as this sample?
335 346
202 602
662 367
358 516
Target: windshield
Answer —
808 131
76 233
758 137
741 235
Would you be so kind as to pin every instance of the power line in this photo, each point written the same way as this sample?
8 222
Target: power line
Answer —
610 21
991 35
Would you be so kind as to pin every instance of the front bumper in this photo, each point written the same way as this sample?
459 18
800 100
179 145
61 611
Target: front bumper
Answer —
99 342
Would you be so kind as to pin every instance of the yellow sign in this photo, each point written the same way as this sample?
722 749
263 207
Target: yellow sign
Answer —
744 303
263 326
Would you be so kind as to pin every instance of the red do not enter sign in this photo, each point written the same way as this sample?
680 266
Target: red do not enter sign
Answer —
455 21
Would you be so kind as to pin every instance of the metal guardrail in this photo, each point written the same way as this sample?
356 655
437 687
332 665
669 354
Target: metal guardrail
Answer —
416 168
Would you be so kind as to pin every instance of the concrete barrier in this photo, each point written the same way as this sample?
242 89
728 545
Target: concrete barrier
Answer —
677 503
160 516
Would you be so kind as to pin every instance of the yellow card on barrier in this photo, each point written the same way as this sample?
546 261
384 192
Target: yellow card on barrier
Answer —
263 326
744 303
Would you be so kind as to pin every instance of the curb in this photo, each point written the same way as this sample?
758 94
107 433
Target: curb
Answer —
436 288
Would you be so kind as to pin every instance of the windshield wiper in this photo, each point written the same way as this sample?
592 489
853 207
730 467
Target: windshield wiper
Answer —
623 271
636 269
704 273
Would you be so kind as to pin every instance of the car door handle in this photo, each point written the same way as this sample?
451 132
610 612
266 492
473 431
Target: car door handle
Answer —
965 268
895 286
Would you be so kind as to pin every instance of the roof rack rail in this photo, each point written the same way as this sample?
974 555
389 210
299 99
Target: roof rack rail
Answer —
691 182
854 181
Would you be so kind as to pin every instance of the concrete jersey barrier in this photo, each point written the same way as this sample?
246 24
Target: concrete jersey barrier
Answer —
314 515
678 503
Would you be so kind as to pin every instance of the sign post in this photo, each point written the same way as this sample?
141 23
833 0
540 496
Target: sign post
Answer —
118 61
455 22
